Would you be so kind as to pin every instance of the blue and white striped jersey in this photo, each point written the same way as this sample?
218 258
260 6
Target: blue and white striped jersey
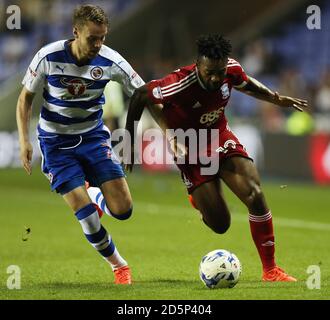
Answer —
73 94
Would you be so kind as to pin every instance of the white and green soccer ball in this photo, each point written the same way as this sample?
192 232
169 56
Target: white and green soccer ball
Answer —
220 269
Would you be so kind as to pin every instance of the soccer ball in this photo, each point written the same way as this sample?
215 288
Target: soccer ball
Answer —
220 269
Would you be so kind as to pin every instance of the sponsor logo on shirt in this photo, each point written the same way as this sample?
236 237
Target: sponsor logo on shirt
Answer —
210 118
76 87
97 73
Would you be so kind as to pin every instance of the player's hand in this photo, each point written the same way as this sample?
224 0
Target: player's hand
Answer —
26 156
128 167
179 150
128 160
289 102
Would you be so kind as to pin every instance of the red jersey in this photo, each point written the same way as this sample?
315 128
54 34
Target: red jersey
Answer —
188 105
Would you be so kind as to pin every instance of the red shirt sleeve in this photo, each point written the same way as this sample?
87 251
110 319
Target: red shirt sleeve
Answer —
237 74
163 90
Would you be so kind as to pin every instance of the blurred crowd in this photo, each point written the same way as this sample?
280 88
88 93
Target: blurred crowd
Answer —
268 59
42 22
263 61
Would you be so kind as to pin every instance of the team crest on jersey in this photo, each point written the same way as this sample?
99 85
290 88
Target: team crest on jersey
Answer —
225 91
76 86
97 73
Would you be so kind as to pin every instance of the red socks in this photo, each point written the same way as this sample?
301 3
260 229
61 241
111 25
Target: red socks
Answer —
263 237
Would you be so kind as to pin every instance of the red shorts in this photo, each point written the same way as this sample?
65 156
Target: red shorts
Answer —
225 146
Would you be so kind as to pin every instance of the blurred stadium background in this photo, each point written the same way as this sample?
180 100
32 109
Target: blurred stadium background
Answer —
270 39
273 43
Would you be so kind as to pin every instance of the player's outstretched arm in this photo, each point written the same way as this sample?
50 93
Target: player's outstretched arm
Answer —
258 90
23 115
156 112
137 103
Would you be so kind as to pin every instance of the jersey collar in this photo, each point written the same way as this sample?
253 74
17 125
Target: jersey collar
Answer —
199 80
71 57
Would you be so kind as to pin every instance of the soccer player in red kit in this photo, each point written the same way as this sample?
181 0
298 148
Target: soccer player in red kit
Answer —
195 97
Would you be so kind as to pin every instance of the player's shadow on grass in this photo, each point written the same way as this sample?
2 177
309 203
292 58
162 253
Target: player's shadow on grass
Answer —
167 281
75 285
106 284
173 283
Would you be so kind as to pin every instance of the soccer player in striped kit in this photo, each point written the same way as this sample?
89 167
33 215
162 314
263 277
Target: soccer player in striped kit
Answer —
73 140
195 97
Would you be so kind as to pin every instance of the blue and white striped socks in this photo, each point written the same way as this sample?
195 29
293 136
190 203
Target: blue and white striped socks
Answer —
97 197
98 236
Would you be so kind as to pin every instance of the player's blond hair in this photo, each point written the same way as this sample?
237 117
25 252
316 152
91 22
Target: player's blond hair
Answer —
88 12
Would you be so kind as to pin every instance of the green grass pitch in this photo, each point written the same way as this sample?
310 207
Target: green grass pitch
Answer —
163 242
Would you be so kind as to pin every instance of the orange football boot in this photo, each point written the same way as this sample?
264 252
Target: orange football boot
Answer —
123 275
277 274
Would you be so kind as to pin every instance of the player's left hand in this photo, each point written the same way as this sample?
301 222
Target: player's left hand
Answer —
178 150
289 102
26 156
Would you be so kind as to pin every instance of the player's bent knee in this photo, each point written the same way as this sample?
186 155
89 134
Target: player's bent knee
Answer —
123 216
221 229
218 227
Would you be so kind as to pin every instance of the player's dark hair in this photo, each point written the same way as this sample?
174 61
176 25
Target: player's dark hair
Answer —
213 46
89 12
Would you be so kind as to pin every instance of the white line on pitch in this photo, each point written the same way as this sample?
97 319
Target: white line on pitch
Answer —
240 217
